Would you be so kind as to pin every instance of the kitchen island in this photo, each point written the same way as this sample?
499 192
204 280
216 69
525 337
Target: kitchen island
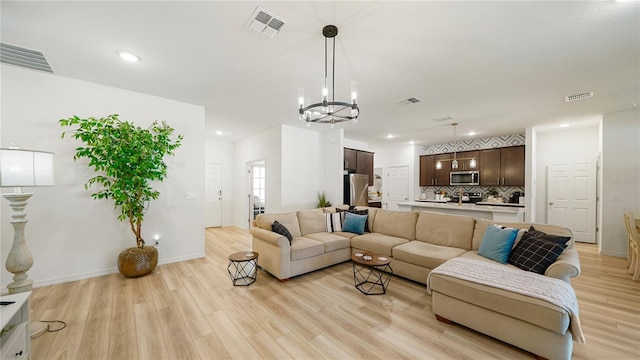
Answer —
497 212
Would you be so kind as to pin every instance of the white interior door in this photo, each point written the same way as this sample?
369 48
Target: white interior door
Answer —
257 189
571 195
213 194
398 186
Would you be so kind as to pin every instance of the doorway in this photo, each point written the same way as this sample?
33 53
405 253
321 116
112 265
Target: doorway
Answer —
398 189
213 195
571 198
257 188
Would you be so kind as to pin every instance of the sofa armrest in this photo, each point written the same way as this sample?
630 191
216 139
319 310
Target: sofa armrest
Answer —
566 267
274 250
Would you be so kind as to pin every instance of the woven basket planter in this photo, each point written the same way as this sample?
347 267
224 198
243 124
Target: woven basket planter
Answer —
138 261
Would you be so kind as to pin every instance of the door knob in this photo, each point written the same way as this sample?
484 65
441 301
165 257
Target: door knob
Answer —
550 204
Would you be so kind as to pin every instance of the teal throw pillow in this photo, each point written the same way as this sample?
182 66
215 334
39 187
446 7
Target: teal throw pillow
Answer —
354 223
497 242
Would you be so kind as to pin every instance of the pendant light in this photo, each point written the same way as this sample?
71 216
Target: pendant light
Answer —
454 161
329 112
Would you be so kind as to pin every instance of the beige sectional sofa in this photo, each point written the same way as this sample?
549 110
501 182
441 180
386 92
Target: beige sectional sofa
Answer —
418 242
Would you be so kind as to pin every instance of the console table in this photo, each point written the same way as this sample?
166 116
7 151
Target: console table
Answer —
15 342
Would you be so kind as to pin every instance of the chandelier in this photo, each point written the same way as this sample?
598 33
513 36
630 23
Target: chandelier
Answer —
454 161
329 112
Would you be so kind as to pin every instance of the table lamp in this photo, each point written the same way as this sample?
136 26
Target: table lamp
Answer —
18 168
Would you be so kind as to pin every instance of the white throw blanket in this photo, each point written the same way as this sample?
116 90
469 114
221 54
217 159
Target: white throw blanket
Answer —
552 290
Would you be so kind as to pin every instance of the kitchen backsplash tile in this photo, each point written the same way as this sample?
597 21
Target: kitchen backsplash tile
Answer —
503 191
475 144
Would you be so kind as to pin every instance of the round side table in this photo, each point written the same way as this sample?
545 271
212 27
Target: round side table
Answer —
371 272
243 268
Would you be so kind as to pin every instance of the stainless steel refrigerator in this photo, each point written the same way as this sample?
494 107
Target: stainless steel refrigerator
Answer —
356 189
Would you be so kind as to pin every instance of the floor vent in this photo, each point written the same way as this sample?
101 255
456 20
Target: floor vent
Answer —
18 56
265 23
409 101
581 96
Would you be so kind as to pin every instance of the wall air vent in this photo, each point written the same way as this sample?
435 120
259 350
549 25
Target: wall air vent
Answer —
409 101
581 96
265 23
18 56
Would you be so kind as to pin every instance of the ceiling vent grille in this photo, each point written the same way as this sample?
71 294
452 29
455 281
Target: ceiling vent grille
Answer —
409 101
265 23
581 96
18 56
446 118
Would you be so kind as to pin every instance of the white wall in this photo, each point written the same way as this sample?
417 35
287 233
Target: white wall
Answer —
302 168
403 155
221 152
621 177
355 144
70 235
265 146
562 145
333 165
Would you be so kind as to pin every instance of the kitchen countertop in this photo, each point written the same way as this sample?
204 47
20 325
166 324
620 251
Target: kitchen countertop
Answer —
494 208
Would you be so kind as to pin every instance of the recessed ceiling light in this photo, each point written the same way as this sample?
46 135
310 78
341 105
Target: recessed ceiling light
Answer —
128 56
412 142
565 125
471 133
390 136
219 132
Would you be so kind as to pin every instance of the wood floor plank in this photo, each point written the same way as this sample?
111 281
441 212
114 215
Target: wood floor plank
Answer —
191 310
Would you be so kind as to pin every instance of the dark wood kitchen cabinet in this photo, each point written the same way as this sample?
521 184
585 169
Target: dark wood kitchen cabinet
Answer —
442 175
465 163
427 170
359 162
364 164
502 166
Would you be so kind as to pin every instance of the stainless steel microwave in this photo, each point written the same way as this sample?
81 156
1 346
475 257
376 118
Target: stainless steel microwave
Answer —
464 178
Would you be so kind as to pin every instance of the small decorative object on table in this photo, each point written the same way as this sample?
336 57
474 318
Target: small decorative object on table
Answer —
243 268
371 273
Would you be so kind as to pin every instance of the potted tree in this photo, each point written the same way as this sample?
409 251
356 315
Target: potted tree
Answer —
126 158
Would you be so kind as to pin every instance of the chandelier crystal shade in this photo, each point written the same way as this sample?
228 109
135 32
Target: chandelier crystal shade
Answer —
329 112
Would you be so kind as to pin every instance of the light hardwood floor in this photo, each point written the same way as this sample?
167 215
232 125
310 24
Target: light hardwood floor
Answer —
190 310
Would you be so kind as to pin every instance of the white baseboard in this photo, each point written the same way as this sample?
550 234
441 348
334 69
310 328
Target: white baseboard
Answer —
613 253
108 271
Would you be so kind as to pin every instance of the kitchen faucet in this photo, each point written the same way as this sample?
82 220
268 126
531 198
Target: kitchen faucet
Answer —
460 197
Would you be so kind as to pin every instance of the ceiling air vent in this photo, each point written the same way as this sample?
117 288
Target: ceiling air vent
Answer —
581 96
18 56
265 23
446 118
409 101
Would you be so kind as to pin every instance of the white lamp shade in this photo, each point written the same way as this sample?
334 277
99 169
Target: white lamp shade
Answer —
19 167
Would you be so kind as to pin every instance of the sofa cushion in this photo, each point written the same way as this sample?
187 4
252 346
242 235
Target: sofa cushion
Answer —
331 241
445 229
424 254
354 223
537 234
481 225
333 222
311 221
377 243
497 243
529 309
289 220
278 228
302 248
372 215
535 254
357 212
401 224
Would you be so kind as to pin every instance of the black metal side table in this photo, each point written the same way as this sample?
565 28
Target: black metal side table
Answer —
243 268
371 273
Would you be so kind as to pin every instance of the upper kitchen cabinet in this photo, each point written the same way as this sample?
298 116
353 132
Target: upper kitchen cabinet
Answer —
359 162
364 164
465 163
427 170
442 175
350 159
502 167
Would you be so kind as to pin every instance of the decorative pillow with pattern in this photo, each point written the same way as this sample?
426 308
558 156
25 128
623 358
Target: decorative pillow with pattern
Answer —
334 222
278 228
357 212
537 234
535 255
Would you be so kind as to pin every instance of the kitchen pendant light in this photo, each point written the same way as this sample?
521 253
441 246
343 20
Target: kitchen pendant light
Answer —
329 112
454 161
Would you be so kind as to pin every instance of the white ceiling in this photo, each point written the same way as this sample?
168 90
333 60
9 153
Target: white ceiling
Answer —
495 67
